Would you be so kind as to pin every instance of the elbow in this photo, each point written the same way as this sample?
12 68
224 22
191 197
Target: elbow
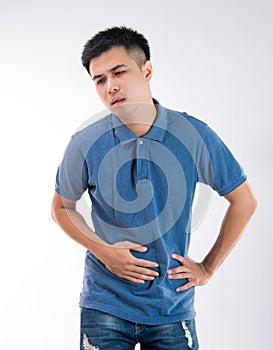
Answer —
250 201
56 205
250 205
253 204
53 214
54 209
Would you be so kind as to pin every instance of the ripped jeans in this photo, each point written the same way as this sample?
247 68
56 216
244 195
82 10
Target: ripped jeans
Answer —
101 331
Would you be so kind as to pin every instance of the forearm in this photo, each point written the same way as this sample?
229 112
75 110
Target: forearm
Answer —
232 228
74 225
242 207
117 257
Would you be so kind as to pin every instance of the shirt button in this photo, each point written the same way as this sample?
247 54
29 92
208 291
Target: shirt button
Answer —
141 142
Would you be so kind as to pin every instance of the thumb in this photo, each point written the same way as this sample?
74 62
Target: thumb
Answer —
139 248
131 245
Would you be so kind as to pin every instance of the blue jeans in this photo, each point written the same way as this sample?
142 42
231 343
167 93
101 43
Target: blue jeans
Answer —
101 331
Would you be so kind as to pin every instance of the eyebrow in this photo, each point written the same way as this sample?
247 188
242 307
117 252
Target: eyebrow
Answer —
110 71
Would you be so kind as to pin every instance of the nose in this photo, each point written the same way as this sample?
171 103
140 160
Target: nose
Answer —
112 86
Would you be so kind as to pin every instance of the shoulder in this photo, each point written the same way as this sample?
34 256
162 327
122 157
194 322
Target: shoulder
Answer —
183 122
92 129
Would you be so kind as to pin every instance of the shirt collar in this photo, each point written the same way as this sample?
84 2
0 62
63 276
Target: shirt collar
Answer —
157 131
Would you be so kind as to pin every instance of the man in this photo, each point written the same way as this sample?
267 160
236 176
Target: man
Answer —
140 165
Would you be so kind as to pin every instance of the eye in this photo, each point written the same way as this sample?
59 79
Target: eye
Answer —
119 72
100 81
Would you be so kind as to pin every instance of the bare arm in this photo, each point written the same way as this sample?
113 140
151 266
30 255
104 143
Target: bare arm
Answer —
242 207
117 258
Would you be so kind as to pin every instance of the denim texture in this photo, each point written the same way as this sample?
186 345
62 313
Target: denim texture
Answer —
102 331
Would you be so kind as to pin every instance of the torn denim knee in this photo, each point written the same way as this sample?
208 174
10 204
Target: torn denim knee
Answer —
187 334
87 345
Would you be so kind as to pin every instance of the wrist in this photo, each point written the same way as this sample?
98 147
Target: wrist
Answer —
206 269
99 249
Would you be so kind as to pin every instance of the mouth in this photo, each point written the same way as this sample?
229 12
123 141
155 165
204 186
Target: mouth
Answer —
117 101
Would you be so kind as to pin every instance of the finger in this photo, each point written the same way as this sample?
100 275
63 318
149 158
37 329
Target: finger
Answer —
144 263
186 286
179 258
139 276
132 279
144 271
179 269
130 245
138 248
180 276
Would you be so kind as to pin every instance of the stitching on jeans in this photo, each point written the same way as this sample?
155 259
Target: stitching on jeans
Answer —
187 334
87 345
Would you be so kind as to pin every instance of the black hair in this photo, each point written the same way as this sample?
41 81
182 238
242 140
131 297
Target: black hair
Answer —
134 43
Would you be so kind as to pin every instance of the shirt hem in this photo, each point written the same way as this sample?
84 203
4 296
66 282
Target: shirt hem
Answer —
151 321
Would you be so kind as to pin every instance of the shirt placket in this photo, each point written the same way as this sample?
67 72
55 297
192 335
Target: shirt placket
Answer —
141 160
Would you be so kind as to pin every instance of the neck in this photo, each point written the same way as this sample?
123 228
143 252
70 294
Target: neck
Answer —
138 117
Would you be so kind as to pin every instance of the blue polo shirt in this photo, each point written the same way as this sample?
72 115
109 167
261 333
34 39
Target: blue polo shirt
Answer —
142 190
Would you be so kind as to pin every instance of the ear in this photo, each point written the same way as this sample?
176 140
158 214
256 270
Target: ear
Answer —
147 70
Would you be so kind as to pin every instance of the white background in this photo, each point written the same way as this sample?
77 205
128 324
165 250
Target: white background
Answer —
212 59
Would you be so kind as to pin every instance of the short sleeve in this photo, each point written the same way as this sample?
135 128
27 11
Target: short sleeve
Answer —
217 165
72 178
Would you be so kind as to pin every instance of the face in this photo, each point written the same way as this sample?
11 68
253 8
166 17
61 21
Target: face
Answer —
119 81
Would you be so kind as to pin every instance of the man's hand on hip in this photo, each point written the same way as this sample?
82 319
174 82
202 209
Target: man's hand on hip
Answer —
195 273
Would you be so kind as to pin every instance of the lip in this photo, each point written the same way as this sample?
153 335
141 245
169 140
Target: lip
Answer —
117 101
